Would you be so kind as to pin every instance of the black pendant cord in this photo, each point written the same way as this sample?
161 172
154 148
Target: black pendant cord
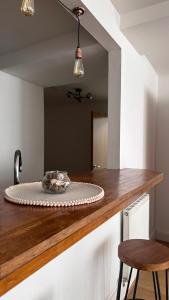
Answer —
78 33
74 16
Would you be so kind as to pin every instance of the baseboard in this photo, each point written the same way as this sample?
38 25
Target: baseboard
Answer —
162 235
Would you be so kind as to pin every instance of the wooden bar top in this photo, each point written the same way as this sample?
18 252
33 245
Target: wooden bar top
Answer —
32 236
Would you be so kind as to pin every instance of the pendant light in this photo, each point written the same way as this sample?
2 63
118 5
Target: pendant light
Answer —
78 66
27 7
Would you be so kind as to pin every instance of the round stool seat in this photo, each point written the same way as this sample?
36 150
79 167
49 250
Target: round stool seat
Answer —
144 255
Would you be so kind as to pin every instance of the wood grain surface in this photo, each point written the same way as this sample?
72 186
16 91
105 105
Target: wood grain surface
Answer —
144 255
32 236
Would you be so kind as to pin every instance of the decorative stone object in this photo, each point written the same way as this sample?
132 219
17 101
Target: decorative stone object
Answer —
56 182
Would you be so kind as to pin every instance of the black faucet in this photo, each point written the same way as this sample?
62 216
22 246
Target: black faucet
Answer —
17 166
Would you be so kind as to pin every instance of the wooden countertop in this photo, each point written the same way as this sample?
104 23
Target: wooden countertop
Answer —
32 236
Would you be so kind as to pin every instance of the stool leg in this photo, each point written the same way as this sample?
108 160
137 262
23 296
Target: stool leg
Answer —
136 284
158 285
166 278
155 287
120 281
128 284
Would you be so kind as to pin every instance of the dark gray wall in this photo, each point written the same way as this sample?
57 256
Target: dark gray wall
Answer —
68 131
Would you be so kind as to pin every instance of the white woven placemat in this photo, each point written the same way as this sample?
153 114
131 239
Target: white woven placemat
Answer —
33 194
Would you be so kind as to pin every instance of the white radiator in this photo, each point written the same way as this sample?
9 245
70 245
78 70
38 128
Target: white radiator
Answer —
135 224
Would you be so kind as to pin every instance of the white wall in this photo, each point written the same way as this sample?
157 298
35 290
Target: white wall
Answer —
86 271
136 110
132 110
162 160
114 109
21 127
138 89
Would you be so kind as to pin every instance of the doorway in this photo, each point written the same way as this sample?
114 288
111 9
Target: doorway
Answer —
99 140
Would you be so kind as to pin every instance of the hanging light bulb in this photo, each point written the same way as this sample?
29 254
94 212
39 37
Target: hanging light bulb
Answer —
78 66
27 7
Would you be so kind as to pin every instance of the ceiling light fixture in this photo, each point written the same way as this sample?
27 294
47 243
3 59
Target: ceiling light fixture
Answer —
28 9
78 66
77 95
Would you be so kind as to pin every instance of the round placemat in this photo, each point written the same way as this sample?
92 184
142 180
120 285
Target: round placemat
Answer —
32 194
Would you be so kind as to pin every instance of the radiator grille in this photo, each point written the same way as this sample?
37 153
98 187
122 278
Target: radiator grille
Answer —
135 223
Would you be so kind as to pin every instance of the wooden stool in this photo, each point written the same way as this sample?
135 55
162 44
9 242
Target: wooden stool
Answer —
143 255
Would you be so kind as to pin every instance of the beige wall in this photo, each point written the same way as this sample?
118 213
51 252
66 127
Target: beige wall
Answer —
68 132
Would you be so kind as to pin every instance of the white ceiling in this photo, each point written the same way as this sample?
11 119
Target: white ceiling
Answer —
152 39
17 31
146 24
41 49
57 70
124 6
